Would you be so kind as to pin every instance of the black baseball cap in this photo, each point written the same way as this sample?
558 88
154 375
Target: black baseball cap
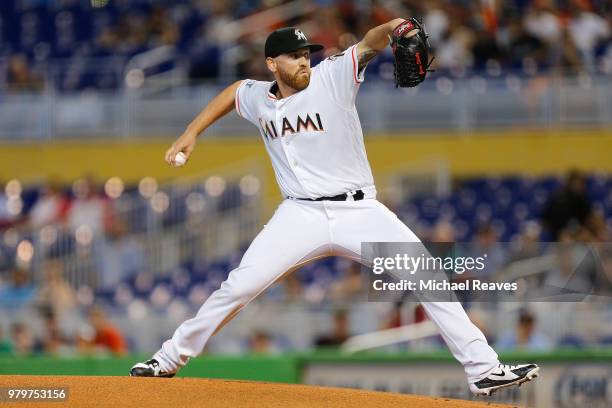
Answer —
288 39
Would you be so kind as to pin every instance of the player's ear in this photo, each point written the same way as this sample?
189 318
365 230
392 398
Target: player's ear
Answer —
271 63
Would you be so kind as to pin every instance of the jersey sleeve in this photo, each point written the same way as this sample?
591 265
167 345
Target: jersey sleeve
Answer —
246 100
341 75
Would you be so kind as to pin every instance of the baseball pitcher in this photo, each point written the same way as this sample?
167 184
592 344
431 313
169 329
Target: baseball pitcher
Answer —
309 124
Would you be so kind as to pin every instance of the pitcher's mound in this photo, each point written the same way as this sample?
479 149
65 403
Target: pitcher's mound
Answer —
119 392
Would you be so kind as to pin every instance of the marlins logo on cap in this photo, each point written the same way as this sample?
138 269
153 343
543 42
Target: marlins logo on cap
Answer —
300 34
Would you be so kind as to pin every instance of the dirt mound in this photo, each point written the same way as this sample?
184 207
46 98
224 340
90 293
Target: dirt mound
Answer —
191 392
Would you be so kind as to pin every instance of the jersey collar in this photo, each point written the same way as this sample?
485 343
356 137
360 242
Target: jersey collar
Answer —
272 91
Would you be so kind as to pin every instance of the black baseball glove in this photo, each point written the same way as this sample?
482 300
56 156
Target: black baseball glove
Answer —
411 54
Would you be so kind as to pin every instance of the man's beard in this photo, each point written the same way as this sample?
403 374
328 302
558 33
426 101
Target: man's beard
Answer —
296 81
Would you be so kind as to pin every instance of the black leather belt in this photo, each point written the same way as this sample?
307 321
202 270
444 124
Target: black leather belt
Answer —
357 195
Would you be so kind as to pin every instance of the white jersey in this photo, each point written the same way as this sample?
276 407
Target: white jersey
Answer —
314 136
314 139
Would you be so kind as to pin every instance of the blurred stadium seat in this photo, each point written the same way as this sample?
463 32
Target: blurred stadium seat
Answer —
71 45
122 268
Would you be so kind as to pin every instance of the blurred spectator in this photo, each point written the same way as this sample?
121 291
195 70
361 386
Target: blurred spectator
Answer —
569 61
526 336
419 314
103 336
486 245
19 77
206 56
123 256
454 51
329 29
220 17
350 285
88 210
443 232
437 22
394 318
588 30
51 207
527 245
19 291
485 49
162 30
339 332
55 292
53 340
7 214
543 23
261 342
522 44
22 340
570 209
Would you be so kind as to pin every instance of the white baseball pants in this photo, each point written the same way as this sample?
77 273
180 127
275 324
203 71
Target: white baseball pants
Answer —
299 232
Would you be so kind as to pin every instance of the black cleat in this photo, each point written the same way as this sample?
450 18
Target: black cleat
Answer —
150 368
505 376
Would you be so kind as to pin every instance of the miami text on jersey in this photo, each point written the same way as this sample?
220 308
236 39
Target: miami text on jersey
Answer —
268 128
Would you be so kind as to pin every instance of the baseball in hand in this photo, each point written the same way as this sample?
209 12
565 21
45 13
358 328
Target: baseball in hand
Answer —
180 159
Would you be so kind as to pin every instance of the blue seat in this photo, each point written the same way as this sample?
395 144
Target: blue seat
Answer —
572 340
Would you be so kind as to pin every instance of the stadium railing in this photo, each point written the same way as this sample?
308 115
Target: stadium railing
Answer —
443 103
